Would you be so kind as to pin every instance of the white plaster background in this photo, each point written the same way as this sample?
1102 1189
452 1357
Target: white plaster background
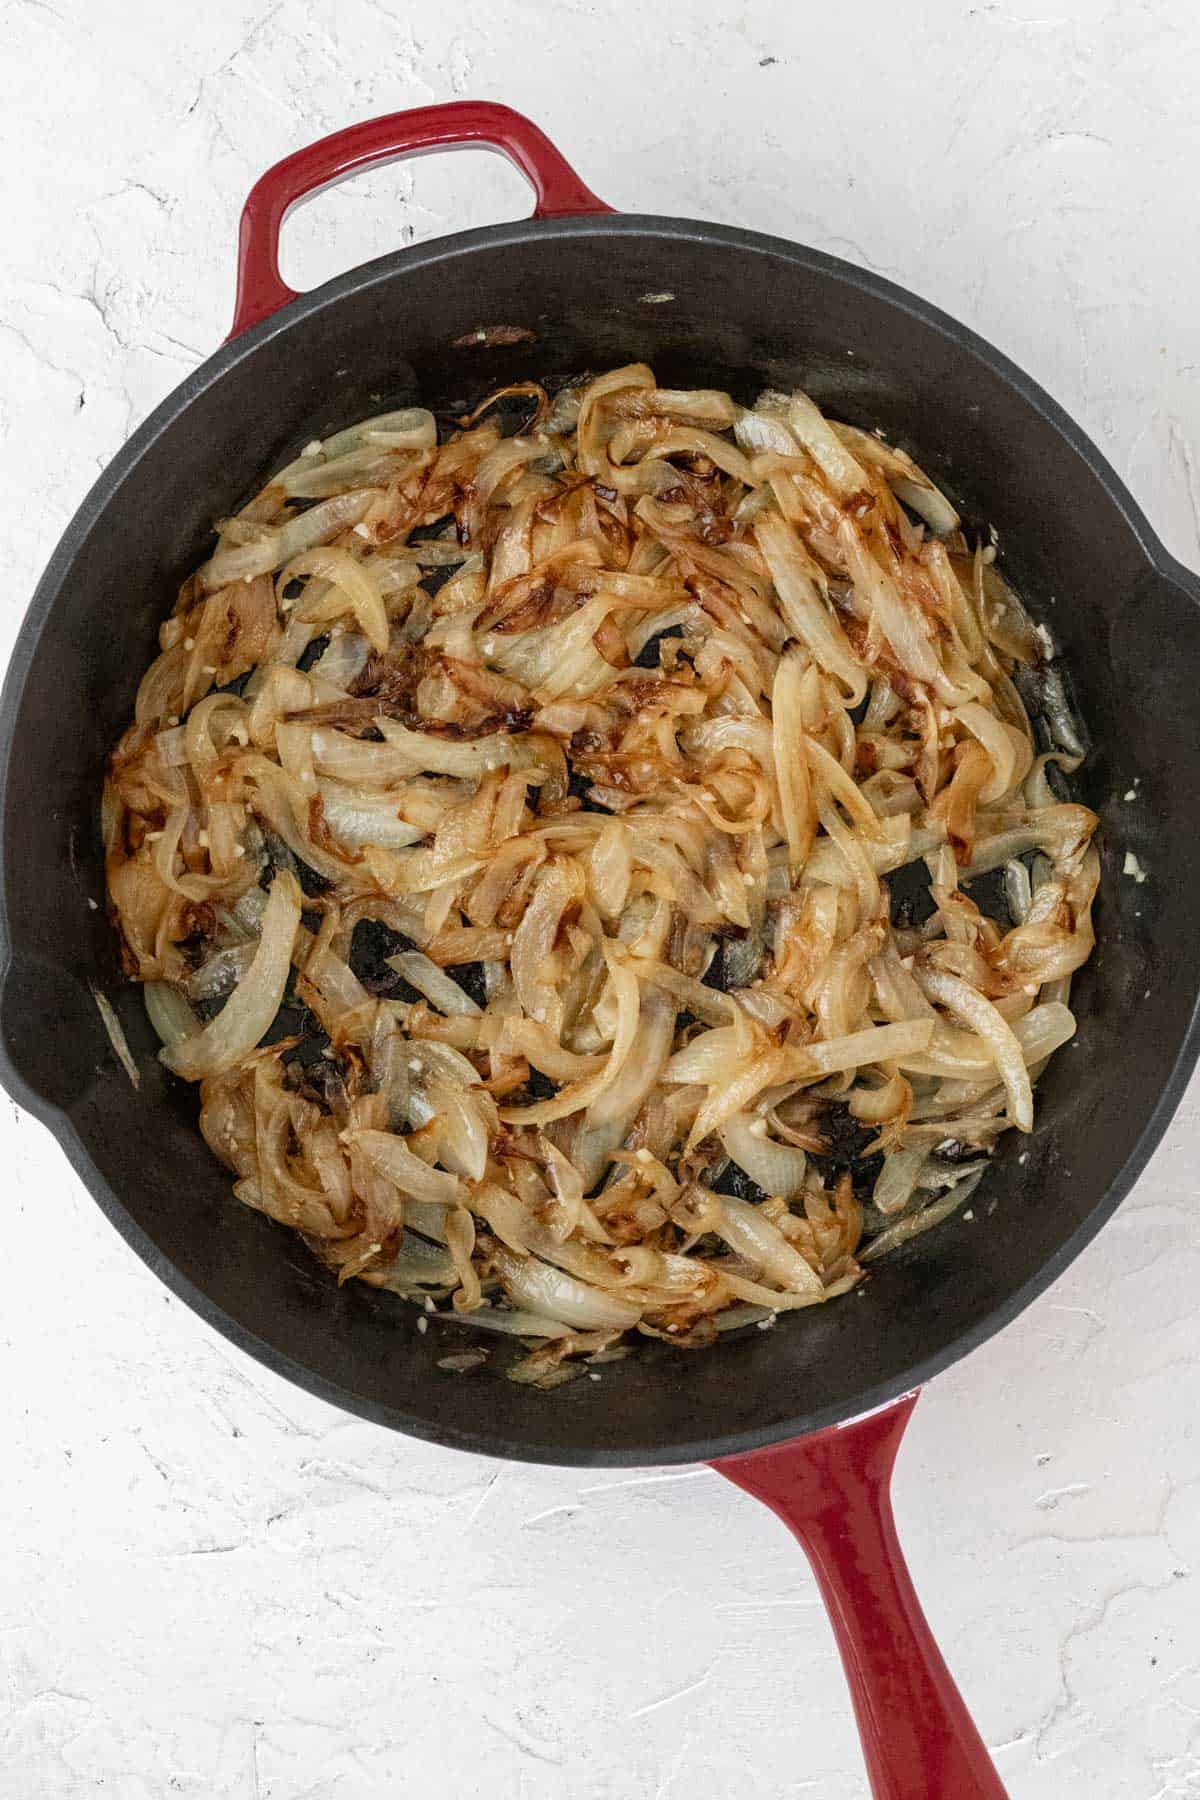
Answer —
213 1586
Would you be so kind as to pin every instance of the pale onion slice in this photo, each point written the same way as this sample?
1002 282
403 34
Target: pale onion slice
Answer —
707 1056
168 1011
316 526
1018 891
899 1176
426 1216
877 1044
116 1037
509 1323
789 743
311 479
416 1264
451 756
1062 831
777 1301
811 429
531 961
911 1225
908 482
749 1234
338 986
392 1157
344 660
757 432
434 983
1010 750
703 406
581 1094
896 988
351 583
802 605
552 1292
979 1015
1041 1031
642 1067
778 1169
879 600
357 762
468 1118
358 816
540 1047
407 428
252 1006
707 1003
460 1241
610 868
416 871
829 774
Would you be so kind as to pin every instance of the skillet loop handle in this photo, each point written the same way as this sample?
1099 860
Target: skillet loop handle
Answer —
559 192
832 1491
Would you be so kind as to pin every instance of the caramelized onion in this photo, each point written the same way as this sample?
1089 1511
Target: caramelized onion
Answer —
547 835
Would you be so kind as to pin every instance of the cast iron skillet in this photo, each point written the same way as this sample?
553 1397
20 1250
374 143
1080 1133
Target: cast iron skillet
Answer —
706 305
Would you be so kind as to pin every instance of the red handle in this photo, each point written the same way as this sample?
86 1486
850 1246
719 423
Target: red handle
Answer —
832 1491
261 290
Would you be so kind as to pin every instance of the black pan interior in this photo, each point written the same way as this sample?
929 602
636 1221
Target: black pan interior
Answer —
708 306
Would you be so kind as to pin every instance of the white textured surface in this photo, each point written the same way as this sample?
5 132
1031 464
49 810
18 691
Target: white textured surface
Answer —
215 1587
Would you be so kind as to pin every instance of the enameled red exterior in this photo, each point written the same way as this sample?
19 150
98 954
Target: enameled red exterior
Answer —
832 1491
460 125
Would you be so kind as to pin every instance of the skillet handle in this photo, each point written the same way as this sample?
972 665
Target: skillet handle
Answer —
832 1491
461 124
